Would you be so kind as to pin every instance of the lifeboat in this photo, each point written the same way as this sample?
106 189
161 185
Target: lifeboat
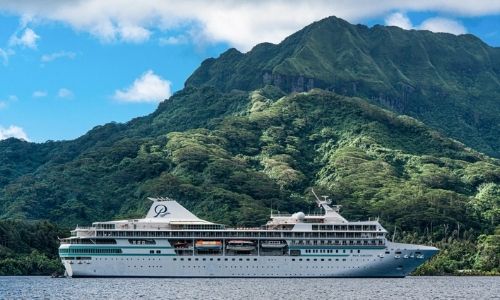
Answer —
237 245
273 244
208 245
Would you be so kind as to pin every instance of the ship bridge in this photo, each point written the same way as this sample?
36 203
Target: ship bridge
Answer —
321 221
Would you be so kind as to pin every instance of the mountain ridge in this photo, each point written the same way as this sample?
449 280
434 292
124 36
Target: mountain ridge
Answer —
430 76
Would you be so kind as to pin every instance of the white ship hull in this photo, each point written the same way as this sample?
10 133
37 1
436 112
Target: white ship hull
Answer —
172 242
368 263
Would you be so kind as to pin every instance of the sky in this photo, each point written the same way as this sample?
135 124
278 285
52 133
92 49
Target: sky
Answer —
67 66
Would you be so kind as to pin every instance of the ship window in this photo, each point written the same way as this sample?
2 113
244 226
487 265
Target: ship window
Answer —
315 259
151 251
351 250
196 259
189 259
359 251
218 259
254 259
182 259
398 252
322 259
211 259
336 259
293 259
158 251
225 259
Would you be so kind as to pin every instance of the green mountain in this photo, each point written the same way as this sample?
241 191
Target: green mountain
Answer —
230 150
451 83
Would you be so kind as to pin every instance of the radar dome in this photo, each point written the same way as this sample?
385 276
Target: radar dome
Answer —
299 216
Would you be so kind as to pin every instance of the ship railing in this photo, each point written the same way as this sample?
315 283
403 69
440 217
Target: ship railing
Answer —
84 227
278 215
242 228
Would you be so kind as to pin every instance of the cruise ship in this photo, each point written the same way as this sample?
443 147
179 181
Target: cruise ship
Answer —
172 242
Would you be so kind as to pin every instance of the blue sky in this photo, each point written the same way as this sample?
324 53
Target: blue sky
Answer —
69 66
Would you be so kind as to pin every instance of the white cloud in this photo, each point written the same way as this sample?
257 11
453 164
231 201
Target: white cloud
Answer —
5 103
173 40
4 55
240 23
432 24
148 88
28 39
398 19
13 132
56 55
133 33
39 94
443 25
65 93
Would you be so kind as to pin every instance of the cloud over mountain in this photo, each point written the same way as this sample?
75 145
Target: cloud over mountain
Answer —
242 23
436 24
148 88
13 132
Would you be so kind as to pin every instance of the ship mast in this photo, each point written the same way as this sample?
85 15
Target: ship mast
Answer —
325 203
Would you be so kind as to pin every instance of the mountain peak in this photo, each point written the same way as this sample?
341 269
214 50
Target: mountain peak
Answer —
429 76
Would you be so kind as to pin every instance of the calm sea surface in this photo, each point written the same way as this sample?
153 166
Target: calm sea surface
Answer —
317 289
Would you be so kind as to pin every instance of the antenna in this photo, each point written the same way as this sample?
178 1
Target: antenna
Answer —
317 198
319 201
271 208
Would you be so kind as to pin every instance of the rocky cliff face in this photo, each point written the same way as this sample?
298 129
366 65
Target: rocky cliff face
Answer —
438 78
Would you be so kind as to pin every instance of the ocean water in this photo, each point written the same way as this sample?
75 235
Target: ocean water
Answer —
239 288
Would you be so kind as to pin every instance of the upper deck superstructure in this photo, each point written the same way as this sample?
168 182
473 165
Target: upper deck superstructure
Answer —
172 242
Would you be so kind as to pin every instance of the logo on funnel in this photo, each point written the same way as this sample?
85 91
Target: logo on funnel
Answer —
161 210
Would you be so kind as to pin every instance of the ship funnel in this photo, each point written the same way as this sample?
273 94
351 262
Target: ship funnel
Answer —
168 209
